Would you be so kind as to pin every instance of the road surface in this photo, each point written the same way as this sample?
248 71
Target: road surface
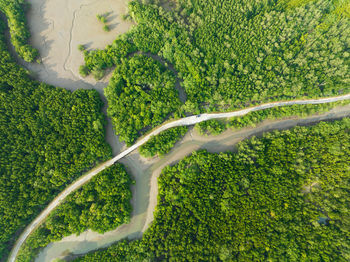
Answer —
187 121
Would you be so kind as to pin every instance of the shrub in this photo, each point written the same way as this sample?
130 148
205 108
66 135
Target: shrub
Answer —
106 28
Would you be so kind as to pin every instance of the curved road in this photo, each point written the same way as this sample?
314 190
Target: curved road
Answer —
187 121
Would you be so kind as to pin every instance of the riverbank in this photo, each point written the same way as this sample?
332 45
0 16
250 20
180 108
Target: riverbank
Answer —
146 172
57 27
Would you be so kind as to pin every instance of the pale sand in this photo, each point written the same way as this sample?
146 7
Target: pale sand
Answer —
146 173
226 142
57 27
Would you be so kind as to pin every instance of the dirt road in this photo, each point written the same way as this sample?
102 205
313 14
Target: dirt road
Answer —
146 172
187 121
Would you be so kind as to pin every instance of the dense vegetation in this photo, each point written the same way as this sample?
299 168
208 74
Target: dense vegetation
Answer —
282 112
101 205
212 127
233 53
97 61
163 143
229 54
103 19
140 94
282 197
48 136
14 11
123 250
215 127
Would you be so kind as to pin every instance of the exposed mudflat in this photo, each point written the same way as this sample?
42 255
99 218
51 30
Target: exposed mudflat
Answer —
146 172
57 27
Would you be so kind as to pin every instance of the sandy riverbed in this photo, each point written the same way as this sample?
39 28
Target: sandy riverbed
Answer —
146 172
57 27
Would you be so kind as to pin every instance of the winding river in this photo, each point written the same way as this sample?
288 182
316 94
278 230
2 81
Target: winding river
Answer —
187 121
145 172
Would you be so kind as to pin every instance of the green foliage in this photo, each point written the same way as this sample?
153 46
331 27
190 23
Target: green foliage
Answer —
161 144
81 47
215 127
122 251
101 205
212 127
97 73
106 28
343 8
47 139
296 3
99 60
83 70
15 13
255 117
126 17
102 18
234 53
282 197
140 94
340 7
228 59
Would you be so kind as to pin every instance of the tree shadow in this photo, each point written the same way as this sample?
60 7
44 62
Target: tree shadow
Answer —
111 17
88 46
113 26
